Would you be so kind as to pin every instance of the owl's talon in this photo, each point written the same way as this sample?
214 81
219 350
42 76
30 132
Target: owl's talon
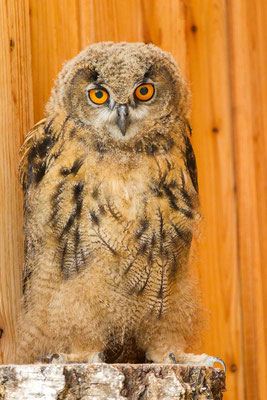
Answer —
98 358
54 358
172 357
208 361
212 360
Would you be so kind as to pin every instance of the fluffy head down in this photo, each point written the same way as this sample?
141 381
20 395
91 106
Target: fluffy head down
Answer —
119 69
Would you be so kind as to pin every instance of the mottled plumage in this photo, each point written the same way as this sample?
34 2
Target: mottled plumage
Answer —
110 213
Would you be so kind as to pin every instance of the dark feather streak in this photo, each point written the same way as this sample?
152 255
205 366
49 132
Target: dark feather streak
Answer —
167 143
95 193
48 127
161 309
186 197
59 190
39 171
142 249
37 156
172 198
94 217
113 251
76 247
151 149
173 202
44 146
77 190
142 228
150 259
69 223
74 169
184 235
101 208
26 277
190 162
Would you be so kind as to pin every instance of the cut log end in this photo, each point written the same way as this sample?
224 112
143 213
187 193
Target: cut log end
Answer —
110 381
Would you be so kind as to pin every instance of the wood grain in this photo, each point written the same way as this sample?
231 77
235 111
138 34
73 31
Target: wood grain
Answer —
15 119
110 381
212 138
110 20
248 60
54 39
148 21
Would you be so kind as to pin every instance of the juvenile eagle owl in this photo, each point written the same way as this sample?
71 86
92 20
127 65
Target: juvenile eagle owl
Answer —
111 202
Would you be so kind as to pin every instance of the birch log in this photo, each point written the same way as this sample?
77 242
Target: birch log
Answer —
110 381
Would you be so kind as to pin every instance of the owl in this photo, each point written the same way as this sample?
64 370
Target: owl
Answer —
110 210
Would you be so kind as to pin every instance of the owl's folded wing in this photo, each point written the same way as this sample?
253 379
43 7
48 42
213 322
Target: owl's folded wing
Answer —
190 159
30 147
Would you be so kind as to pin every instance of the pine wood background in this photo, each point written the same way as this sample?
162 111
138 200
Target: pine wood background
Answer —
222 49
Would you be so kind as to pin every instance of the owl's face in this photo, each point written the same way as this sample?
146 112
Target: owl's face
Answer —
121 90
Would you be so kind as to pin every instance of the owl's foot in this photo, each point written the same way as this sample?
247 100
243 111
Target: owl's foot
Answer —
56 358
190 359
205 360
201 360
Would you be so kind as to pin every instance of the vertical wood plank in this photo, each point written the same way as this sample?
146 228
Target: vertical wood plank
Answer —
164 26
110 20
212 138
15 119
248 60
54 39
159 22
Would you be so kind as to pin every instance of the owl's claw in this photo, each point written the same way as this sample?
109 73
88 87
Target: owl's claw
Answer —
54 358
200 360
208 361
171 358
98 358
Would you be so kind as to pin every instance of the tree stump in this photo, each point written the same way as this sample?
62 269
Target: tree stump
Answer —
110 381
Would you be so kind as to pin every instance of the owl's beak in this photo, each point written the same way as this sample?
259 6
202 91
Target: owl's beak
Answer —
123 118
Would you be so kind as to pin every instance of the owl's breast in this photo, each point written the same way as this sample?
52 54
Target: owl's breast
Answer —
132 225
143 226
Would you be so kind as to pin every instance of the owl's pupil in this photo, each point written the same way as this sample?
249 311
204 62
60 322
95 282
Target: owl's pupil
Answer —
99 94
143 91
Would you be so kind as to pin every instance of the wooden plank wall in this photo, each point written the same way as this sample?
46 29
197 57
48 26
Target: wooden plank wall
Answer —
16 117
222 49
247 66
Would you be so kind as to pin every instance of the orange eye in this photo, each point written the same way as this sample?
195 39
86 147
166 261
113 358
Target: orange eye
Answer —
145 92
98 96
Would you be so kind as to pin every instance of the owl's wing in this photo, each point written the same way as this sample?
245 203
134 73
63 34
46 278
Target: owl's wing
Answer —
32 154
34 157
190 159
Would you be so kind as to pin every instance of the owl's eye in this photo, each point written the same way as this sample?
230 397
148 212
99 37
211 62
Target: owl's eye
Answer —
98 96
144 92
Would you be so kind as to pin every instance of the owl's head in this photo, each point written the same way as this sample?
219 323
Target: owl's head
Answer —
121 90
